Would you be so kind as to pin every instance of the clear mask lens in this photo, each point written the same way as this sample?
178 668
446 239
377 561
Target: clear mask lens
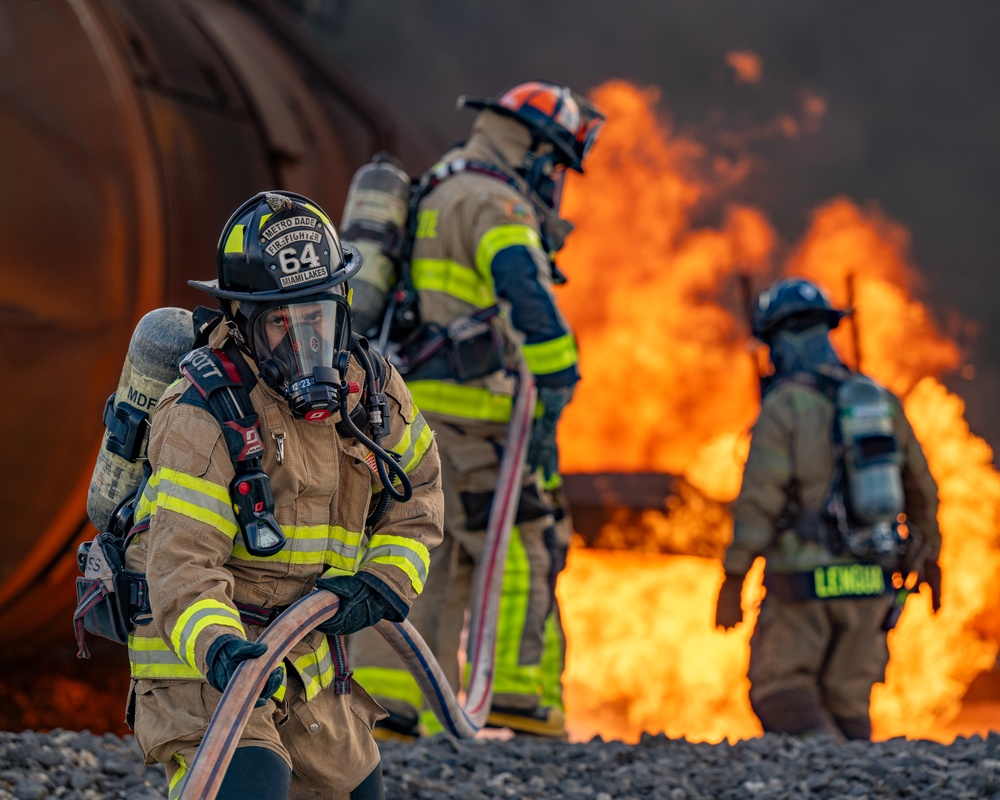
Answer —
300 336
549 186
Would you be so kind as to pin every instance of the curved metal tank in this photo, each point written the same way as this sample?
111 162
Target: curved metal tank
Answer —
128 133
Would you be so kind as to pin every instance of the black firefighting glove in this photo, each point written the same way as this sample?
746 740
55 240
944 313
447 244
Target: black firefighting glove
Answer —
364 600
542 449
728 611
226 653
931 575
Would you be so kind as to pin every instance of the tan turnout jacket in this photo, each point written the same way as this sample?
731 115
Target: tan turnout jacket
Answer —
193 553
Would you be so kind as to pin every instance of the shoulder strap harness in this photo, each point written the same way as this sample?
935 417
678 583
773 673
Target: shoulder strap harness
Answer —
402 315
222 391
829 524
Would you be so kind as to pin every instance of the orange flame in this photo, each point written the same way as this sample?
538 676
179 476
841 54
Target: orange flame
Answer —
670 385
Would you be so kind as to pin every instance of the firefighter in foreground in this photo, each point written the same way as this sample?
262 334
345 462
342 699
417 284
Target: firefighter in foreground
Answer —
837 497
219 568
487 228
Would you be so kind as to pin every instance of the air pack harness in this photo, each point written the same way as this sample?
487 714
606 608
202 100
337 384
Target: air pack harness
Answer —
111 601
880 549
467 348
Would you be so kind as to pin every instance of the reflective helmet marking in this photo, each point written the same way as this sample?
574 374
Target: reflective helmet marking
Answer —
556 104
234 244
555 114
295 251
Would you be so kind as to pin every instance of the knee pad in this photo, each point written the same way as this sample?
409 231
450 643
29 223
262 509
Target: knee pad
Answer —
371 787
256 772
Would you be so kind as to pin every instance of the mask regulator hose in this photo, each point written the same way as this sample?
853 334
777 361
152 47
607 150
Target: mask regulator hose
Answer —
378 418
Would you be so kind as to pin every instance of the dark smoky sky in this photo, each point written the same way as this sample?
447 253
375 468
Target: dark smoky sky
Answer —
912 121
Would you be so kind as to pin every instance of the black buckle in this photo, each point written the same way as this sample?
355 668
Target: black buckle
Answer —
127 429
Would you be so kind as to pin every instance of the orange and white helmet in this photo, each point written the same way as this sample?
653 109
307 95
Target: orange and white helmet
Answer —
554 114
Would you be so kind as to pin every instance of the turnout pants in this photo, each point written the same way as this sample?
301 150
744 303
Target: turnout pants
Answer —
327 742
813 664
470 459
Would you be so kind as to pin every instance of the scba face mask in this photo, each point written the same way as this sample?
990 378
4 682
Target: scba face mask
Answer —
301 350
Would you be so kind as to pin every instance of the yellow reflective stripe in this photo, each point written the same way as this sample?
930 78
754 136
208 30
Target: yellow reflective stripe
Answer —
500 238
553 482
427 224
179 781
471 402
315 669
151 657
319 213
512 677
310 545
414 443
195 498
280 694
195 619
408 555
554 355
234 242
450 277
391 684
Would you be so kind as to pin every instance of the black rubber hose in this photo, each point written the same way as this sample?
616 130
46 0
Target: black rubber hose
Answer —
382 458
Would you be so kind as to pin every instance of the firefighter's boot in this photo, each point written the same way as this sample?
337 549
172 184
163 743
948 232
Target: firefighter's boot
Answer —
396 728
547 721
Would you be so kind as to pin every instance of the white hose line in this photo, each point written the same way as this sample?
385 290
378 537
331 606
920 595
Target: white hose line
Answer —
230 718
482 639
208 769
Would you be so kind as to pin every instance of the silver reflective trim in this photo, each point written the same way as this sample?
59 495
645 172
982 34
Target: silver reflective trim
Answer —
386 552
193 622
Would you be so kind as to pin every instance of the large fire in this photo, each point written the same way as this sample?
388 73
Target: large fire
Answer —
670 385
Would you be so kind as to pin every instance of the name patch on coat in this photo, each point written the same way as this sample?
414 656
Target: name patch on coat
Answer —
849 580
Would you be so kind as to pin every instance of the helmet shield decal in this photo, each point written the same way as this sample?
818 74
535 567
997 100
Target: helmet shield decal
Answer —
296 249
300 336
279 246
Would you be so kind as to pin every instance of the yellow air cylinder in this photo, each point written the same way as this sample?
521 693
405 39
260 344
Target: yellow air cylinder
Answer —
374 221
161 338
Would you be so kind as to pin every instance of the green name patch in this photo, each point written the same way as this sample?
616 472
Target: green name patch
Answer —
849 580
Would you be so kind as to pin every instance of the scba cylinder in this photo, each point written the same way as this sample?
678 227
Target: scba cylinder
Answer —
872 460
161 338
375 222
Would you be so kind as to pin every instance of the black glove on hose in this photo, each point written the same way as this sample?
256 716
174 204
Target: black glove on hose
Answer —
364 600
728 611
227 653
542 450
931 575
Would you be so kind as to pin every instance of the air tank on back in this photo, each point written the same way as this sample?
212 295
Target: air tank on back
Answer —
374 220
125 151
872 461
160 340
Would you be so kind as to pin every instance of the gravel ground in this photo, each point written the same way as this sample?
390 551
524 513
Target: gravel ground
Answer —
81 766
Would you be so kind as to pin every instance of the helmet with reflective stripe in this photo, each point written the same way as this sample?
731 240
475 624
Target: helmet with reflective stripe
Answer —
554 114
793 302
279 246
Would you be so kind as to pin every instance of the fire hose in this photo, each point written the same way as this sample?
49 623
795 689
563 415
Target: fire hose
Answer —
208 769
